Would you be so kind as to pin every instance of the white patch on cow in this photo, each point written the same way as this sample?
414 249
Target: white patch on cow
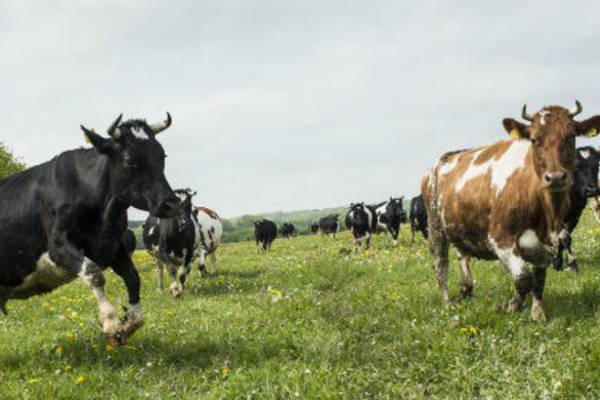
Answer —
151 231
139 133
46 276
109 317
211 230
510 162
369 217
182 196
515 264
543 114
529 240
445 168
584 153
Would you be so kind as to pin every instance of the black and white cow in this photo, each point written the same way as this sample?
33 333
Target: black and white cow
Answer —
265 232
330 225
361 220
418 216
129 241
173 242
287 230
585 186
390 215
66 218
313 227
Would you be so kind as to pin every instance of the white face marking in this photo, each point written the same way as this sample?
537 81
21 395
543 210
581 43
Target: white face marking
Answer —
182 196
139 133
510 162
543 113
584 153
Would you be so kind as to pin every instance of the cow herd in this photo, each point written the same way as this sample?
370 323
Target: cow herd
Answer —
517 200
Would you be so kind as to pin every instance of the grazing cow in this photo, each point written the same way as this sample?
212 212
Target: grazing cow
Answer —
506 201
390 214
418 216
361 220
585 185
66 218
173 242
129 241
313 227
265 232
287 230
330 225
211 231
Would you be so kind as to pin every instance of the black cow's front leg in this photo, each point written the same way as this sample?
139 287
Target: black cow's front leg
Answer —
66 255
124 267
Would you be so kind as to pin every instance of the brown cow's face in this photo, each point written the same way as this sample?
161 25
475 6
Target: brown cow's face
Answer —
552 134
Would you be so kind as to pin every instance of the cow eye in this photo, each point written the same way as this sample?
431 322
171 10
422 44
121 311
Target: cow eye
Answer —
131 163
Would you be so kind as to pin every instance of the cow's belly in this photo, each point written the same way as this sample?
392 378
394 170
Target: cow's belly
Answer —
46 277
475 249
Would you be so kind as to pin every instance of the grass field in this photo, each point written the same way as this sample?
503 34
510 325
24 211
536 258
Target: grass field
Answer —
309 320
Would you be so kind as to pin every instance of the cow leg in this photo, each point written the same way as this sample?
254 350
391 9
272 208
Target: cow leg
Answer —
124 267
184 270
3 306
159 274
213 262
368 240
63 253
202 263
539 280
439 250
522 277
595 204
466 285
175 288
412 230
565 240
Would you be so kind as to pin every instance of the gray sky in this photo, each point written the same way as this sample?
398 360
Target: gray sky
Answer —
286 105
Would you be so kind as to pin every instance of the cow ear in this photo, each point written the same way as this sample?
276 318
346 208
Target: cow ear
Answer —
515 129
104 146
589 127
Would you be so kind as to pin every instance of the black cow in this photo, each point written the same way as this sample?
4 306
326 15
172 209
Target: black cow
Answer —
265 232
313 227
418 216
287 230
66 218
129 241
585 185
361 220
330 225
390 214
173 242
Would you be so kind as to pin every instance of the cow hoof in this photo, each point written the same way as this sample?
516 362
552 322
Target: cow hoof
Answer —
573 266
116 339
538 315
466 291
511 306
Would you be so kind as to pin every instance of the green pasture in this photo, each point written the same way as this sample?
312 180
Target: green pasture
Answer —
310 320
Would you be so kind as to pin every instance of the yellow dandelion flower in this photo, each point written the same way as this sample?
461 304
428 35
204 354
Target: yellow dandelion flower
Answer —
109 347
169 313
225 371
80 379
472 329
254 327
74 314
464 330
31 381
58 350
68 368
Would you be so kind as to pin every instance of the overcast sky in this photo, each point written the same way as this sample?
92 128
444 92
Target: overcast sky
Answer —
287 105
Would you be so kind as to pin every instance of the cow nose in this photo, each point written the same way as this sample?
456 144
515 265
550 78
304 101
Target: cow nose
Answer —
556 178
592 192
170 207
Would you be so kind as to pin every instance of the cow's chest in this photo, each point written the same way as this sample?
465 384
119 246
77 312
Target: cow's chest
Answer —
532 248
46 277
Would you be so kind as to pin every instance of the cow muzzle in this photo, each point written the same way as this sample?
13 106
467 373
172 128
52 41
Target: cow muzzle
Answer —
591 192
556 181
168 208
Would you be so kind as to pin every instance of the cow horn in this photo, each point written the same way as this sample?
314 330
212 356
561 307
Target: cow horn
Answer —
161 126
113 130
524 114
575 110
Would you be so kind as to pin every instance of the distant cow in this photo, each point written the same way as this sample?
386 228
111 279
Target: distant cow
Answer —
390 215
418 216
585 185
313 227
129 241
265 232
287 230
65 219
361 220
211 231
506 201
173 242
330 225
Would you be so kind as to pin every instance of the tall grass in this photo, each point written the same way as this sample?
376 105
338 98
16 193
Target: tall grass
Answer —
309 320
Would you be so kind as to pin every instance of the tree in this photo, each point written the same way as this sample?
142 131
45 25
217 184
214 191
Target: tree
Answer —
9 164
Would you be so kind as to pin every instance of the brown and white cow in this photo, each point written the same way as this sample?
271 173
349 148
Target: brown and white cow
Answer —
506 201
211 231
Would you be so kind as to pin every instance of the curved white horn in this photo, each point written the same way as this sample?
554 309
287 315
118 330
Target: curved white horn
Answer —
161 126
524 114
113 131
575 110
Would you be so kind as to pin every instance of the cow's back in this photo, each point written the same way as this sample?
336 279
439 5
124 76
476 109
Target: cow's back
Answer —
211 229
